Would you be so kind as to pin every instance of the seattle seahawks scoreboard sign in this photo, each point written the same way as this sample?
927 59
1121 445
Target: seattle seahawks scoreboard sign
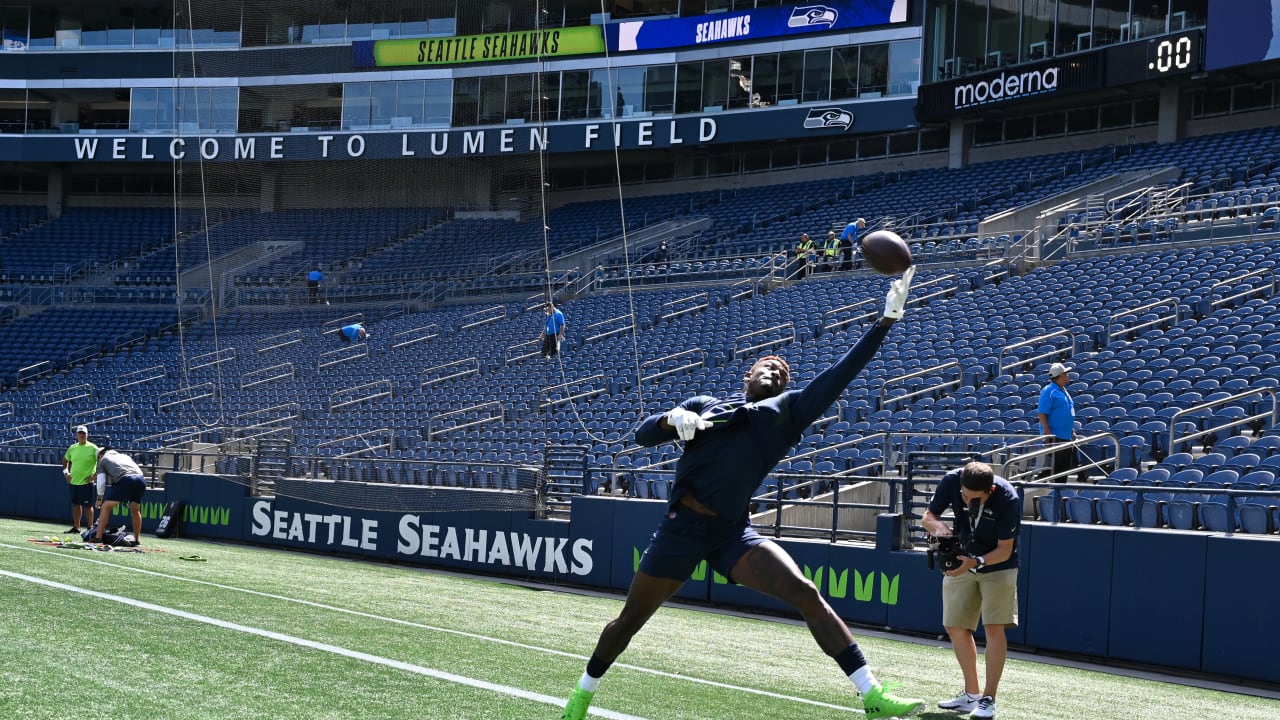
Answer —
755 24
824 120
491 47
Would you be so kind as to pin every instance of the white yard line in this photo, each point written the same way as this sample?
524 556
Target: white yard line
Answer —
323 647
430 628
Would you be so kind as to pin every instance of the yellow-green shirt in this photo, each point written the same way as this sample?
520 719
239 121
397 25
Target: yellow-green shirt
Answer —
84 462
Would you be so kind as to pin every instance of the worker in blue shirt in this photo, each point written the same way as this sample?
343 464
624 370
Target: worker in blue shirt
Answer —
313 285
850 246
731 444
1057 413
554 331
354 331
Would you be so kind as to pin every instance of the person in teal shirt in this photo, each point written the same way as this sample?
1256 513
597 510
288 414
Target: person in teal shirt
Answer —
554 332
79 464
1057 413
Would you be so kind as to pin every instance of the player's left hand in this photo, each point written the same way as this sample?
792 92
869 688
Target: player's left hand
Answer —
686 423
895 303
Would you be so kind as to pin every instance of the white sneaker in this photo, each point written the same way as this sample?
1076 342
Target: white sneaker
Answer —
986 708
962 702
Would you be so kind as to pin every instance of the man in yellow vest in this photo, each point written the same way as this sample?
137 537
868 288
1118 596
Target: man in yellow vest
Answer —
806 255
830 252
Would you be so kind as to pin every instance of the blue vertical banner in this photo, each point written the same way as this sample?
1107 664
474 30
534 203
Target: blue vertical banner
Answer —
1242 32
770 22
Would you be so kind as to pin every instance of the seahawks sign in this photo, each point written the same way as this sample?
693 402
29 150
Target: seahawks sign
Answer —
760 23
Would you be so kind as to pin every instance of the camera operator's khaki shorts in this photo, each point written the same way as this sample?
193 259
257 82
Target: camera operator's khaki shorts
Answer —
992 595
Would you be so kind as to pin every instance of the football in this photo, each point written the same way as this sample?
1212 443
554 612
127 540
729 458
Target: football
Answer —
886 253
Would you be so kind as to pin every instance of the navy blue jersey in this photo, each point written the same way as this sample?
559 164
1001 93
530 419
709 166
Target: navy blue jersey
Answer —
1000 519
723 465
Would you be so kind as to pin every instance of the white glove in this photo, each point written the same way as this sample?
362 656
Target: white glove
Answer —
686 423
895 302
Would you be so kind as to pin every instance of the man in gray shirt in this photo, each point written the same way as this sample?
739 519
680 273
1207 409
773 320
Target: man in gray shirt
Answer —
127 484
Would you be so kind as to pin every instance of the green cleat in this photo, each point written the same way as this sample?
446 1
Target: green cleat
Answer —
880 702
576 708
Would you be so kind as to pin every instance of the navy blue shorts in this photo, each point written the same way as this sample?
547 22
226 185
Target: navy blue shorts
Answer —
128 489
685 538
82 495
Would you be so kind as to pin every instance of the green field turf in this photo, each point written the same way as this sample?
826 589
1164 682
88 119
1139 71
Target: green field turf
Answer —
257 633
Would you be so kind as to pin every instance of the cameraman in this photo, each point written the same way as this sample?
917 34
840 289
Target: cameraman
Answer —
988 515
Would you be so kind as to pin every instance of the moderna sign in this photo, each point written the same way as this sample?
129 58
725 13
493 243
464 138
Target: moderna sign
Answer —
980 91
1006 86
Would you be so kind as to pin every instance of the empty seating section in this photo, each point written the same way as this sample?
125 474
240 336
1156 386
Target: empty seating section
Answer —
62 336
1152 335
80 240
1132 386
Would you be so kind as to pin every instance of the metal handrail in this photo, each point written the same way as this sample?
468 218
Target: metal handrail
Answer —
185 394
587 331
1173 421
67 394
1171 302
1240 278
510 358
380 389
215 357
22 433
701 362
787 331
361 436
103 414
1026 457
482 317
884 387
469 366
704 297
415 335
278 341
437 420
336 325
262 375
1002 366
840 324
547 392
138 377
276 413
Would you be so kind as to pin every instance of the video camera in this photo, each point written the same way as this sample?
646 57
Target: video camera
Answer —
945 551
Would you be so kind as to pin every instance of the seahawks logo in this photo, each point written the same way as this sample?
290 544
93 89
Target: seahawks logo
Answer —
820 118
810 15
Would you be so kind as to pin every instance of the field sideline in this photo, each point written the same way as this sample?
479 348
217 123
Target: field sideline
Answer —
260 633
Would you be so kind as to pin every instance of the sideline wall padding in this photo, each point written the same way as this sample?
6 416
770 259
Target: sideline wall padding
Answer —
1242 610
1157 597
1070 587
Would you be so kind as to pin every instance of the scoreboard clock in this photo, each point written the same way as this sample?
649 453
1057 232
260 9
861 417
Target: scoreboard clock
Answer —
1180 53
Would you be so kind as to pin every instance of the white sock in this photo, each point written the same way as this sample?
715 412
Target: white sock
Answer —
863 679
589 683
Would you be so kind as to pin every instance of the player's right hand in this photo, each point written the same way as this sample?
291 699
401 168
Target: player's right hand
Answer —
686 423
895 303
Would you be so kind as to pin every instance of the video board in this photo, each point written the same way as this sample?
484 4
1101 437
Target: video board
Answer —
756 24
1242 32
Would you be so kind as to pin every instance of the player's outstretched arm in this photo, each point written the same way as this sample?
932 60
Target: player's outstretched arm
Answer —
817 396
